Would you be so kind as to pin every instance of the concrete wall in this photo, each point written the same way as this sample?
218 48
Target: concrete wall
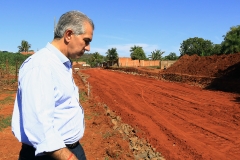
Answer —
128 62
26 53
75 63
166 64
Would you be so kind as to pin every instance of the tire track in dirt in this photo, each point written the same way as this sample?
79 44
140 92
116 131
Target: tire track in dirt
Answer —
180 121
164 120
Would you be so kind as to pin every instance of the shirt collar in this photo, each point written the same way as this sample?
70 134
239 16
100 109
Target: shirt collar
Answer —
60 55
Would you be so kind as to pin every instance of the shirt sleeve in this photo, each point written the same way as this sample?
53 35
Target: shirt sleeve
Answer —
38 106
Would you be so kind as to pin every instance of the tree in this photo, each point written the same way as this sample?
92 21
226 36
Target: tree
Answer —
156 55
84 58
96 59
231 42
24 47
197 46
171 56
137 53
216 49
112 55
133 48
11 62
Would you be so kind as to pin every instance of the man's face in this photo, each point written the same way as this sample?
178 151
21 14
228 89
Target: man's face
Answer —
80 43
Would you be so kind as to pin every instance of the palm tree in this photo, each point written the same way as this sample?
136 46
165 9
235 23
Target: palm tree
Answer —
96 59
156 55
112 55
24 47
137 53
133 48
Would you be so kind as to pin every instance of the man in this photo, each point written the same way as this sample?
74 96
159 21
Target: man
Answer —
47 117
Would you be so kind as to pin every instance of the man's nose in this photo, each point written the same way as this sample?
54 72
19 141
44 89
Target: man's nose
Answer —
87 48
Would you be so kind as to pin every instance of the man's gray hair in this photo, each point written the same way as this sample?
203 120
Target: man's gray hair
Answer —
73 20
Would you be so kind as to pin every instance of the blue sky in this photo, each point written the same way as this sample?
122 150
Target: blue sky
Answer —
121 24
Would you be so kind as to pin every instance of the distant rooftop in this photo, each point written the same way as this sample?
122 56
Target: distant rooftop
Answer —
25 53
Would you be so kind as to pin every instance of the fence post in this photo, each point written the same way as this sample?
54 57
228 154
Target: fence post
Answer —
88 89
7 70
16 73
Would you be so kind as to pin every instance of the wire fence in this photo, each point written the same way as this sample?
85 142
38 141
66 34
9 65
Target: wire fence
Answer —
8 76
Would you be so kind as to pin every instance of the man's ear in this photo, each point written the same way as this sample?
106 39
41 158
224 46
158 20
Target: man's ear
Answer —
68 35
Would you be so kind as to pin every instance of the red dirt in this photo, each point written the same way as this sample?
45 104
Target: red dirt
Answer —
9 146
180 121
100 141
209 66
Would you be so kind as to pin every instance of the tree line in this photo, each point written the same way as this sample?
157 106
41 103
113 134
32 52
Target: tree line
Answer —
11 59
203 47
191 46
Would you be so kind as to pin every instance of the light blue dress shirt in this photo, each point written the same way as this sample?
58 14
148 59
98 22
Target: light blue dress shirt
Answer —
47 113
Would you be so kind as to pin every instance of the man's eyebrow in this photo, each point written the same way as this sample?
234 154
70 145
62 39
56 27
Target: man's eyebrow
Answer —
88 39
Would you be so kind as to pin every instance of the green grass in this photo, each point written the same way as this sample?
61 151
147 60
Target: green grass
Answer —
9 81
5 122
7 100
7 92
94 114
10 92
107 134
154 67
83 96
88 117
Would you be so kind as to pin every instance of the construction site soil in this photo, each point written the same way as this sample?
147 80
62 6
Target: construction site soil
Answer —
197 119
210 72
188 111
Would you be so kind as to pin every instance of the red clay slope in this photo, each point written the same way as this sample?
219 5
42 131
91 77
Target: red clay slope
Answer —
180 121
209 66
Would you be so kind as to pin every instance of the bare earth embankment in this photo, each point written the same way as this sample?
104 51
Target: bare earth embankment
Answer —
180 121
196 116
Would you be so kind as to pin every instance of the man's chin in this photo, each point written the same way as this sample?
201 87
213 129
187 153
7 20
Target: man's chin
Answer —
80 54
77 56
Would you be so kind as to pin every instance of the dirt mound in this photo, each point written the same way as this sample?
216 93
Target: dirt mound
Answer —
211 72
209 66
217 72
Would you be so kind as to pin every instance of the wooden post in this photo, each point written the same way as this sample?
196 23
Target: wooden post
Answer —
16 73
88 89
7 70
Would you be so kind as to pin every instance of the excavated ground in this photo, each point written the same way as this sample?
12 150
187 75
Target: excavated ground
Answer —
181 121
210 72
189 111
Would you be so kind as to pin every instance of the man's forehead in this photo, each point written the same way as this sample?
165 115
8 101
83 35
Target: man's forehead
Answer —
88 32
